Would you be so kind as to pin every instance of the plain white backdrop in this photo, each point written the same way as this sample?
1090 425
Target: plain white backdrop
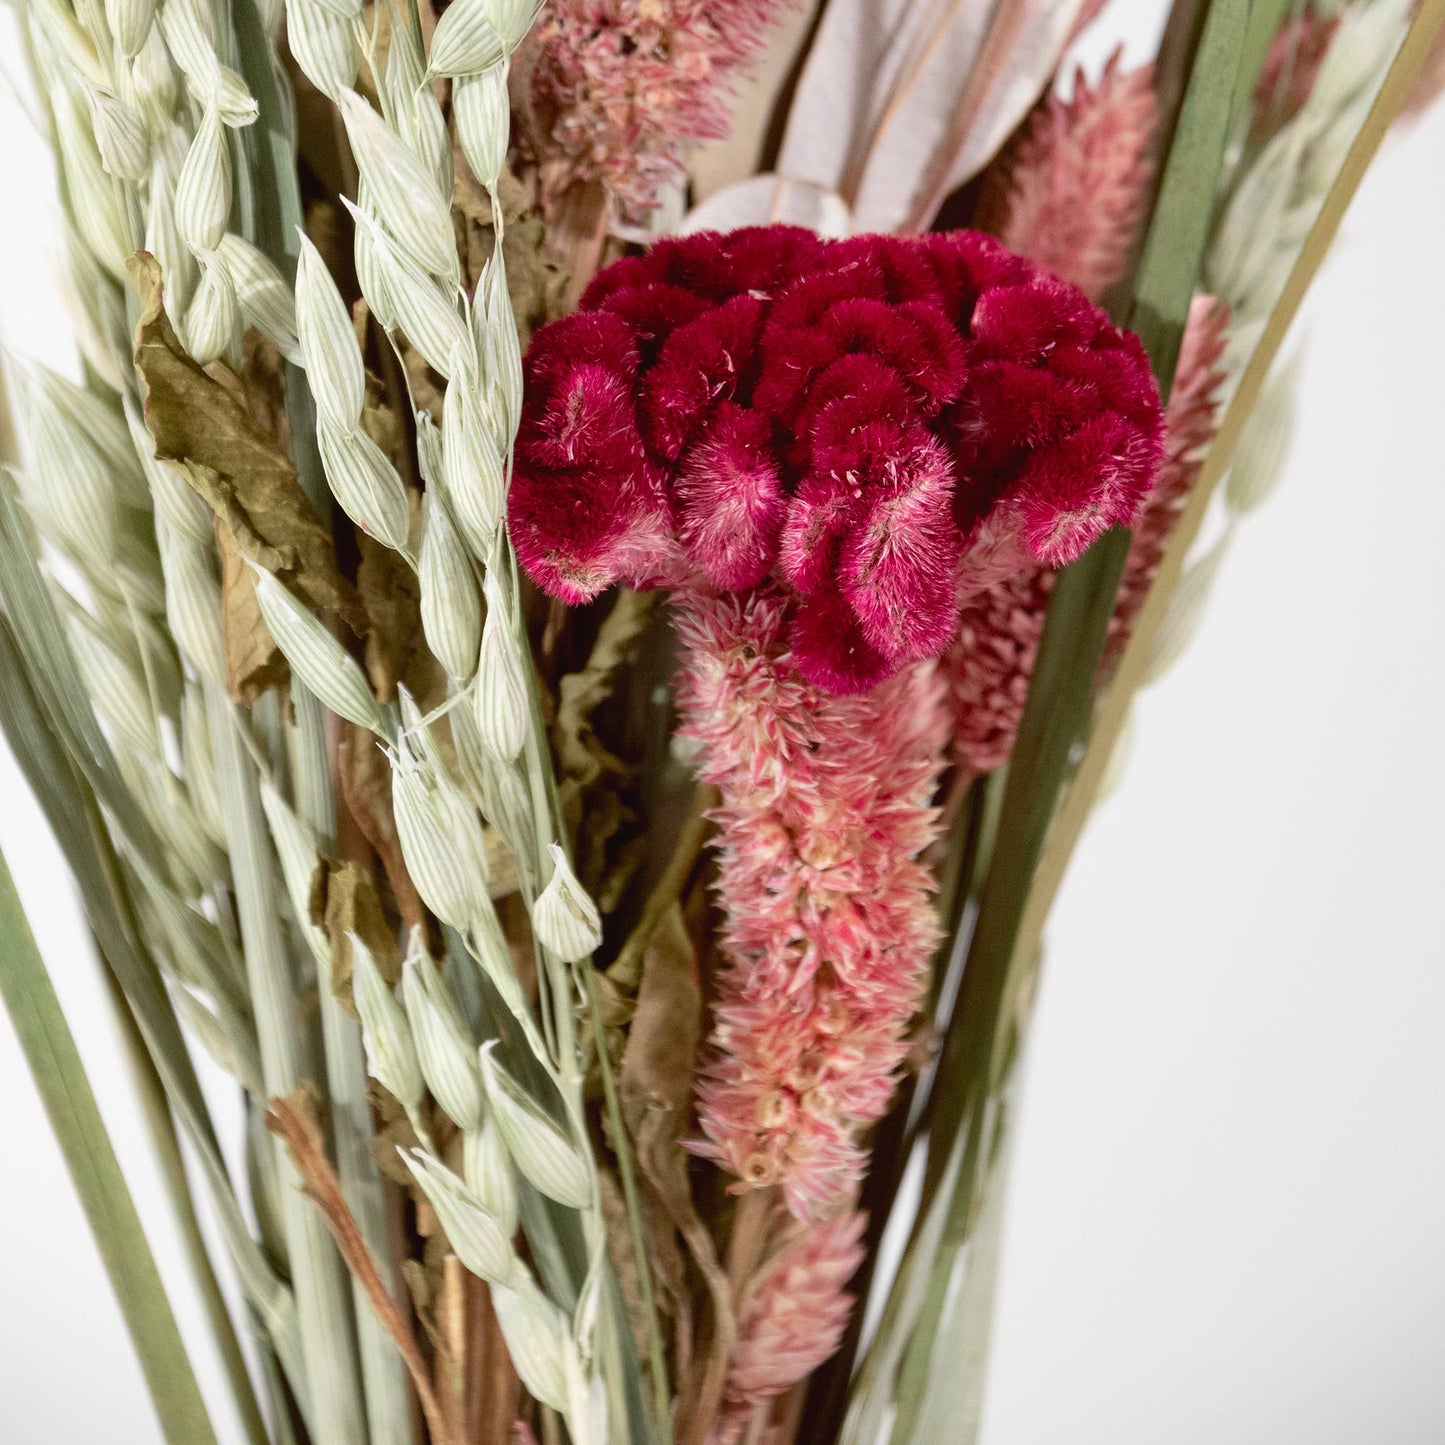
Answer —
1225 1219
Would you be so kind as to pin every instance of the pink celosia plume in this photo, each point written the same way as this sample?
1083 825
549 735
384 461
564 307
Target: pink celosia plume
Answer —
828 923
990 662
1290 68
1192 417
795 1310
1079 181
622 88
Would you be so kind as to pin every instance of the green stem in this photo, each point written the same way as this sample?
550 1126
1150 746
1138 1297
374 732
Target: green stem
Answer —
50 1051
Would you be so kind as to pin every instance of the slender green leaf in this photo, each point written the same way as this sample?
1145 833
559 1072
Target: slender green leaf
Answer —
50 1051
1061 692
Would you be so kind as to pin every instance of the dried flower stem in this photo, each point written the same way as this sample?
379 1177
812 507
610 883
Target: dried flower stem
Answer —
324 1190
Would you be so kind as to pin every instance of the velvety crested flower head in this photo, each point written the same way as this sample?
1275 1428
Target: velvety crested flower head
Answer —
881 425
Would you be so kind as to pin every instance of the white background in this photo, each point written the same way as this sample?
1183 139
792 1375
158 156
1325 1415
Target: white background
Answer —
1225 1223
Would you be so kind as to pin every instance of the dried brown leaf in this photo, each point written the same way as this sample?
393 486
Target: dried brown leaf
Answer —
253 661
391 598
393 1131
656 1086
237 467
343 901
580 752
365 778
291 1120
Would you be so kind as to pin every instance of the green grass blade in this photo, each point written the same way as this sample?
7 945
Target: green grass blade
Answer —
1061 693
50 1051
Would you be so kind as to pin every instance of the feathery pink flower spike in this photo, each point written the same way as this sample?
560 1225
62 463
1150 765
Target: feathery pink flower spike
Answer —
991 660
621 88
1080 179
794 1313
825 807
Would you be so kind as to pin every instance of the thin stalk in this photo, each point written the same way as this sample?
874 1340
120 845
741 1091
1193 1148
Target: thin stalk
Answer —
279 214
657 1353
173 1167
388 1408
54 1060
323 1300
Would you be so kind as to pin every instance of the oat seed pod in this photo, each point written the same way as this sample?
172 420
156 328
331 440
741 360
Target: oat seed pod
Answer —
153 80
193 604
203 190
364 482
403 190
115 683
512 19
177 506
484 118
163 238
101 430
504 348
429 455
487 1167
70 41
506 803
368 270
99 216
212 324
564 917
130 23
451 613
413 110
324 46
538 1337
543 1154
199 765
444 1048
72 494
416 302
475 1237
475 480
503 715
265 298
316 657
465 42
385 1034
191 38
493 955
328 343
120 136
441 838
296 848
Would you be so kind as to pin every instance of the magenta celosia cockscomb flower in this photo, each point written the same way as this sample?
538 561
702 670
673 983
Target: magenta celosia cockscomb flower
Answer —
858 420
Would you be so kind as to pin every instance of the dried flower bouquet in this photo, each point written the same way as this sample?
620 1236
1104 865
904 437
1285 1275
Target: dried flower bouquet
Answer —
576 693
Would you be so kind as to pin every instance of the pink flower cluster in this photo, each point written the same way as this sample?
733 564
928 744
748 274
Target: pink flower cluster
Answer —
795 1310
1079 181
829 927
991 659
621 87
878 425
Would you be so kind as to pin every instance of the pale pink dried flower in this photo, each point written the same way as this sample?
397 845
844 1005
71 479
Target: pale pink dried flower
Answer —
1191 420
795 1310
1080 179
828 928
621 88
991 660
1291 66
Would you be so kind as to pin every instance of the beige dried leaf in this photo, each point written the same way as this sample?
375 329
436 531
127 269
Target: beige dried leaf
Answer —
242 472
